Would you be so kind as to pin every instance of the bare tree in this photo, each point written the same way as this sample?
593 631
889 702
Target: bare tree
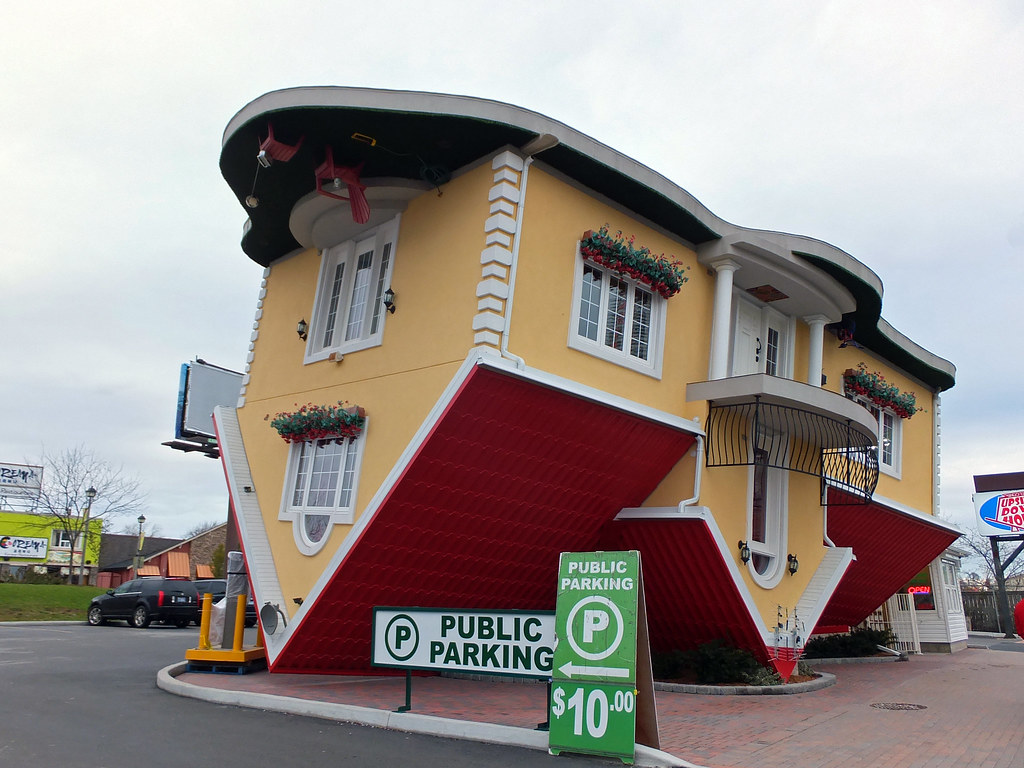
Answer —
980 557
131 528
78 487
203 527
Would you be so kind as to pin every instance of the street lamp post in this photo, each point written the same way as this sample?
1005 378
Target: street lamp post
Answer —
138 555
90 494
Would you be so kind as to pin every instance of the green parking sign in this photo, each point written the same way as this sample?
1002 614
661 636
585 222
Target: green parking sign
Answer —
593 690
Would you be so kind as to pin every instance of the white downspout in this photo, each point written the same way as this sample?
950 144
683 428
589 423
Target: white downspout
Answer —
698 470
824 517
824 527
532 148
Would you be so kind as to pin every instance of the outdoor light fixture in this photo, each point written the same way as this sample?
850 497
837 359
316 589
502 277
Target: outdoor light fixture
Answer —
744 552
389 300
793 564
302 329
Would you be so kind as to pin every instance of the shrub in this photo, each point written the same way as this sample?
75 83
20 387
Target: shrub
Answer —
715 662
668 666
862 641
31 577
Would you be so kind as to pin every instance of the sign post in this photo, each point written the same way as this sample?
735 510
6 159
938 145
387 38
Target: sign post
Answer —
593 689
1001 518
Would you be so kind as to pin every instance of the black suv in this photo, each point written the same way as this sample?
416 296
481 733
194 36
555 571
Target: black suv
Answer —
218 588
140 601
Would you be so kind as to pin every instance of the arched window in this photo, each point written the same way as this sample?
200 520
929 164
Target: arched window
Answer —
320 488
767 512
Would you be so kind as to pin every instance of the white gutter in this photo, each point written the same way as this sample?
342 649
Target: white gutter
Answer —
697 472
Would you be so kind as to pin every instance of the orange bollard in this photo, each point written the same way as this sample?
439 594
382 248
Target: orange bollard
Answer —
239 623
204 623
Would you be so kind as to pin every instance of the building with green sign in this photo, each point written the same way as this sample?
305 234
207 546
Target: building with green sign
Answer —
39 544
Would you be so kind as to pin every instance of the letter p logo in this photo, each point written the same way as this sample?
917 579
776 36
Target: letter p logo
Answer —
594 621
402 635
401 638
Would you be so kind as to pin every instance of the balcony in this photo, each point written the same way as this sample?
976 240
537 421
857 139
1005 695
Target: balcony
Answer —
799 427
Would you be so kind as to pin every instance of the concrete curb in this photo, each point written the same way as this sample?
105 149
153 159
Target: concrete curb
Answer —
824 680
41 623
407 722
855 660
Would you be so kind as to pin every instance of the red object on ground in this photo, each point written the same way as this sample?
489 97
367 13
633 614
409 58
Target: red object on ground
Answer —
1018 618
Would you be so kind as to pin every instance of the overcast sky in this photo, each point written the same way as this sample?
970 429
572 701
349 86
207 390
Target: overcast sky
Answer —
891 130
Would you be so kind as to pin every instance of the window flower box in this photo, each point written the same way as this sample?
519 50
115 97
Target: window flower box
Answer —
320 422
872 386
662 274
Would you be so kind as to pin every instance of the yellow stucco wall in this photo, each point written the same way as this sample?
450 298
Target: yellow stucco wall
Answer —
540 328
543 300
397 383
915 486
436 271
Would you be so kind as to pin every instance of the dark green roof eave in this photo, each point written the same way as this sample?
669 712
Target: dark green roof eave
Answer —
409 140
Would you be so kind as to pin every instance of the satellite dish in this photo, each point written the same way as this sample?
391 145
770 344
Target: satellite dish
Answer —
268 618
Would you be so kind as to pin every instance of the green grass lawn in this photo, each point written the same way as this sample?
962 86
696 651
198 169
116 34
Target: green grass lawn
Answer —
45 602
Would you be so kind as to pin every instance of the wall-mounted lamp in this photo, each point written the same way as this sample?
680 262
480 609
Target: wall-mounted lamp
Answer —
744 552
389 300
302 329
792 564
270 613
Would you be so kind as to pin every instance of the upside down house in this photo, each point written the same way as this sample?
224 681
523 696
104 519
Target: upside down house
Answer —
484 338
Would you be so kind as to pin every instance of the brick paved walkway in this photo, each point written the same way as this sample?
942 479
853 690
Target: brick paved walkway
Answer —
973 718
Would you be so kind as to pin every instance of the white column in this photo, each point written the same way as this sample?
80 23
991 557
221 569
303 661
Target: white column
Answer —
815 345
721 318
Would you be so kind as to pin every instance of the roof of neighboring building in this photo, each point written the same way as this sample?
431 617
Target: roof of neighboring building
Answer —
420 139
117 550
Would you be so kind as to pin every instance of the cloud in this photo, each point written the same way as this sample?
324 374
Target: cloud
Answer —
891 131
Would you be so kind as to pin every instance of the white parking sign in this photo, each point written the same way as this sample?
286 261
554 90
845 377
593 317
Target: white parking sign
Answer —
517 643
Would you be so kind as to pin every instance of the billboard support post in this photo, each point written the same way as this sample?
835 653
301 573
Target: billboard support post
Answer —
999 566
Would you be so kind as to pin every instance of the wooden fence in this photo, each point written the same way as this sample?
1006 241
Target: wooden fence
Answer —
982 611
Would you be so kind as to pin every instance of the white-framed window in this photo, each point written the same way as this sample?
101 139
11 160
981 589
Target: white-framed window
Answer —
767 512
59 539
890 438
348 311
951 586
617 318
762 340
320 488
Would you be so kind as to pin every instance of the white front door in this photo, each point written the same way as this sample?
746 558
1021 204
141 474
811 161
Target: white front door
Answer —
747 345
760 342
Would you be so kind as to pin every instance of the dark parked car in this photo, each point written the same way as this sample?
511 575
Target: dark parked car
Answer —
218 588
140 601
